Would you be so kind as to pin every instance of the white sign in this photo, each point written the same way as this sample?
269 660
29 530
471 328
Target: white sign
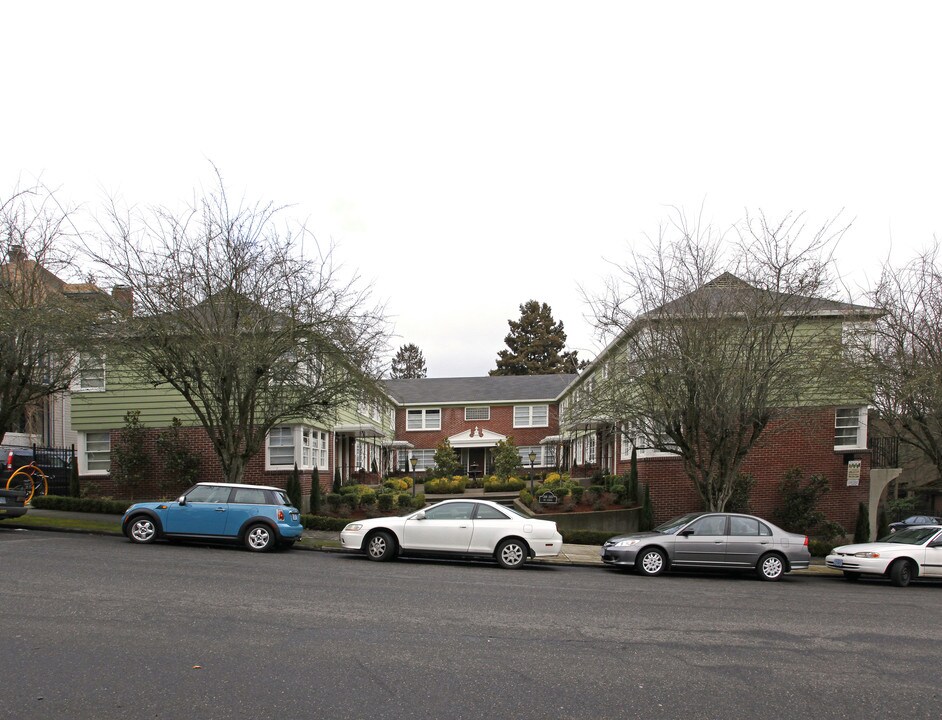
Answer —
853 473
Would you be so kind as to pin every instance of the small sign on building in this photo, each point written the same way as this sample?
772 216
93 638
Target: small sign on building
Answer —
853 473
548 498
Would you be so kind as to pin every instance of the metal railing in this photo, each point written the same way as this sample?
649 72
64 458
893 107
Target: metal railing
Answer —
884 452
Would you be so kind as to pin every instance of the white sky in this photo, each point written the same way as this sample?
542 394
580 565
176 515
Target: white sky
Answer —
467 157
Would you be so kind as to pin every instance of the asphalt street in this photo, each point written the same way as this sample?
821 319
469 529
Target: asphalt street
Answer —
95 627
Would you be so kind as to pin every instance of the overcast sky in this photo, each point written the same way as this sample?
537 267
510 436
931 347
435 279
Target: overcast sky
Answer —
467 157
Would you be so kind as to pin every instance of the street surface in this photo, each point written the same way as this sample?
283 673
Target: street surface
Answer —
94 627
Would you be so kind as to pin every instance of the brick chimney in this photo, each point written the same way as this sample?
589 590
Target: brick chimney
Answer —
17 253
124 297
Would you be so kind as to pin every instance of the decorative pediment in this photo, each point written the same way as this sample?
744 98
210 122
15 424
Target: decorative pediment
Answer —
476 437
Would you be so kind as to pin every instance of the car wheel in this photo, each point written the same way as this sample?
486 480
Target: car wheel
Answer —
651 562
512 553
259 538
851 576
771 567
380 546
142 530
901 573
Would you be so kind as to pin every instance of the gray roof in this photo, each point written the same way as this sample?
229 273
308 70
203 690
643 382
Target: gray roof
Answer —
494 390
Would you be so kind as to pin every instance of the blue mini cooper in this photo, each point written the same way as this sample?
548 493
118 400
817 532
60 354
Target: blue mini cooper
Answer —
256 515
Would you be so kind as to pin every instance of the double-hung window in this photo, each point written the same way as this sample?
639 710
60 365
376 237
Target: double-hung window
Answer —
531 416
850 428
96 452
90 375
428 419
281 446
425 459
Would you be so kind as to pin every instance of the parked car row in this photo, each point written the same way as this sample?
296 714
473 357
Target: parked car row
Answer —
261 517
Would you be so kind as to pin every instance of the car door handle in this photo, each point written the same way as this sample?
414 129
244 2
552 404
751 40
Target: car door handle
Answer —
462 526
718 542
220 509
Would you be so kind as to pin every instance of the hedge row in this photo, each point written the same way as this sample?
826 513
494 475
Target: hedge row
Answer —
73 504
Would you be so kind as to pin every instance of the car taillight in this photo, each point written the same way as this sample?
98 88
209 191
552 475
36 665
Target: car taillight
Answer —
10 460
806 541
281 514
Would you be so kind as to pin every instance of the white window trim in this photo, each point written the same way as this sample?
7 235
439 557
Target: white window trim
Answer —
83 454
861 443
530 423
297 432
426 459
77 386
425 425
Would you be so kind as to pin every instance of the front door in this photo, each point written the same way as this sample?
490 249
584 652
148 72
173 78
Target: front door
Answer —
477 462
748 540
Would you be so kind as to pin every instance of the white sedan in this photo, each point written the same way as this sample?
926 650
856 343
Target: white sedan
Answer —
479 528
904 556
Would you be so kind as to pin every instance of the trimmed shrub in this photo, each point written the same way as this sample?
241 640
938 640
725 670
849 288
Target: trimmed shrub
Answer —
74 504
586 537
334 501
526 498
396 484
404 501
384 502
319 522
820 548
511 484
293 487
444 485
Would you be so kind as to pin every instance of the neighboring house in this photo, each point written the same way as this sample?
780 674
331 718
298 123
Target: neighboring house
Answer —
349 443
817 435
474 414
48 422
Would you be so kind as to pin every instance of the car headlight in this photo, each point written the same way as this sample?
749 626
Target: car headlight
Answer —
867 554
626 543
353 527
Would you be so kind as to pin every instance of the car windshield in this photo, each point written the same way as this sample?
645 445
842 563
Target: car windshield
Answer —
911 536
672 526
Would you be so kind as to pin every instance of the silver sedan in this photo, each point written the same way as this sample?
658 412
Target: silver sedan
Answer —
726 541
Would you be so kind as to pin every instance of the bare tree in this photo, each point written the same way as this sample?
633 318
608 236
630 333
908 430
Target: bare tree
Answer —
715 335
44 321
231 314
904 352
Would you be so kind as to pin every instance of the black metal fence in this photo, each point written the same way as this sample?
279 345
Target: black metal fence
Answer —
55 462
884 452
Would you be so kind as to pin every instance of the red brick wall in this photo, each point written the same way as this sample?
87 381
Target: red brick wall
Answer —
805 440
453 422
156 483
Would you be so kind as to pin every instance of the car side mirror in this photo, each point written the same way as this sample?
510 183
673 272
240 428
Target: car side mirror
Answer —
419 516
182 500
686 533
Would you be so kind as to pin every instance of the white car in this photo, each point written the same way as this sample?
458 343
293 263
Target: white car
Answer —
478 528
904 556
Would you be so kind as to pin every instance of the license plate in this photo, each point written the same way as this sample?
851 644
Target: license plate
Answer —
837 562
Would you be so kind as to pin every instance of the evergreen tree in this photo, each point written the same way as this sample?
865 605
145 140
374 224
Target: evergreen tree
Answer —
862 529
315 492
535 345
632 484
446 460
293 488
647 511
409 362
338 481
129 459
